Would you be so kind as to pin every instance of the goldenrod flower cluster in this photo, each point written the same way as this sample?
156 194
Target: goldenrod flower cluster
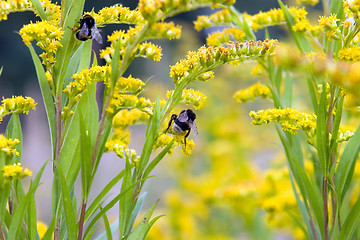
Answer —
120 138
47 36
148 50
226 35
220 17
125 118
43 32
273 17
352 7
117 14
329 23
8 145
121 99
191 96
207 58
304 25
252 92
52 10
350 54
15 171
16 105
153 10
290 119
83 79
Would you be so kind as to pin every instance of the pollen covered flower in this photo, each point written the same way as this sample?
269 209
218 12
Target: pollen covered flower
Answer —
8 145
15 171
304 25
164 140
43 32
150 51
191 96
164 30
120 138
252 92
16 105
224 36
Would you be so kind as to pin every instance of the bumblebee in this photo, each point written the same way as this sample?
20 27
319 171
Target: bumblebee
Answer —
185 121
87 29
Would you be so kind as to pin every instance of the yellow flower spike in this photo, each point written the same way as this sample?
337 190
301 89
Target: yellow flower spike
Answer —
252 92
120 138
204 58
165 30
41 32
290 119
16 105
120 101
217 38
125 118
218 18
8 145
15 171
150 51
350 54
117 14
191 96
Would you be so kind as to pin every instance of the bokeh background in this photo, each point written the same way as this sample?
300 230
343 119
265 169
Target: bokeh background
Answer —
214 193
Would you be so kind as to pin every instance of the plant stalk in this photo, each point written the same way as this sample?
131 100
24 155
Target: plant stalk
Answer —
81 222
325 205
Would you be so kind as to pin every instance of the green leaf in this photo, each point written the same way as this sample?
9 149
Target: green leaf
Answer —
13 131
19 214
69 211
97 201
113 229
137 208
109 206
47 97
322 137
313 92
39 9
144 226
337 8
85 156
346 165
68 43
32 222
115 68
126 201
299 37
351 223
151 135
337 120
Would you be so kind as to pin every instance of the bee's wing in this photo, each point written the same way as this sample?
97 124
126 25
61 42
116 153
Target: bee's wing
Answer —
183 117
84 30
96 35
192 124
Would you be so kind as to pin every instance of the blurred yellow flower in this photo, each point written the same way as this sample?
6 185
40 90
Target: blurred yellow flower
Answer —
252 92
41 228
8 145
15 171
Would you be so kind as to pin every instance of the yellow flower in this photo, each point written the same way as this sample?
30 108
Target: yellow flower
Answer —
8 145
41 228
131 84
218 18
224 36
311 2
16 105
15 171
117 14
190 96
43 32
350 54
206 58
125 118
119 138
252 92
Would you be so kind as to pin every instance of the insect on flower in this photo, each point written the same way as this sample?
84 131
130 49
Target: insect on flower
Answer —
87 29
185 121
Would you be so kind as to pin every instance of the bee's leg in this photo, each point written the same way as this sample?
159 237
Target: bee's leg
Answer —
186 137
173 117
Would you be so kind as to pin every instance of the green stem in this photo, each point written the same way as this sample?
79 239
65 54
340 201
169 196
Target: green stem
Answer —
325 206
81 222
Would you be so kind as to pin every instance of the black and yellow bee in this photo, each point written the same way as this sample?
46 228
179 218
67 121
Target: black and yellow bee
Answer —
185 121
87 29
